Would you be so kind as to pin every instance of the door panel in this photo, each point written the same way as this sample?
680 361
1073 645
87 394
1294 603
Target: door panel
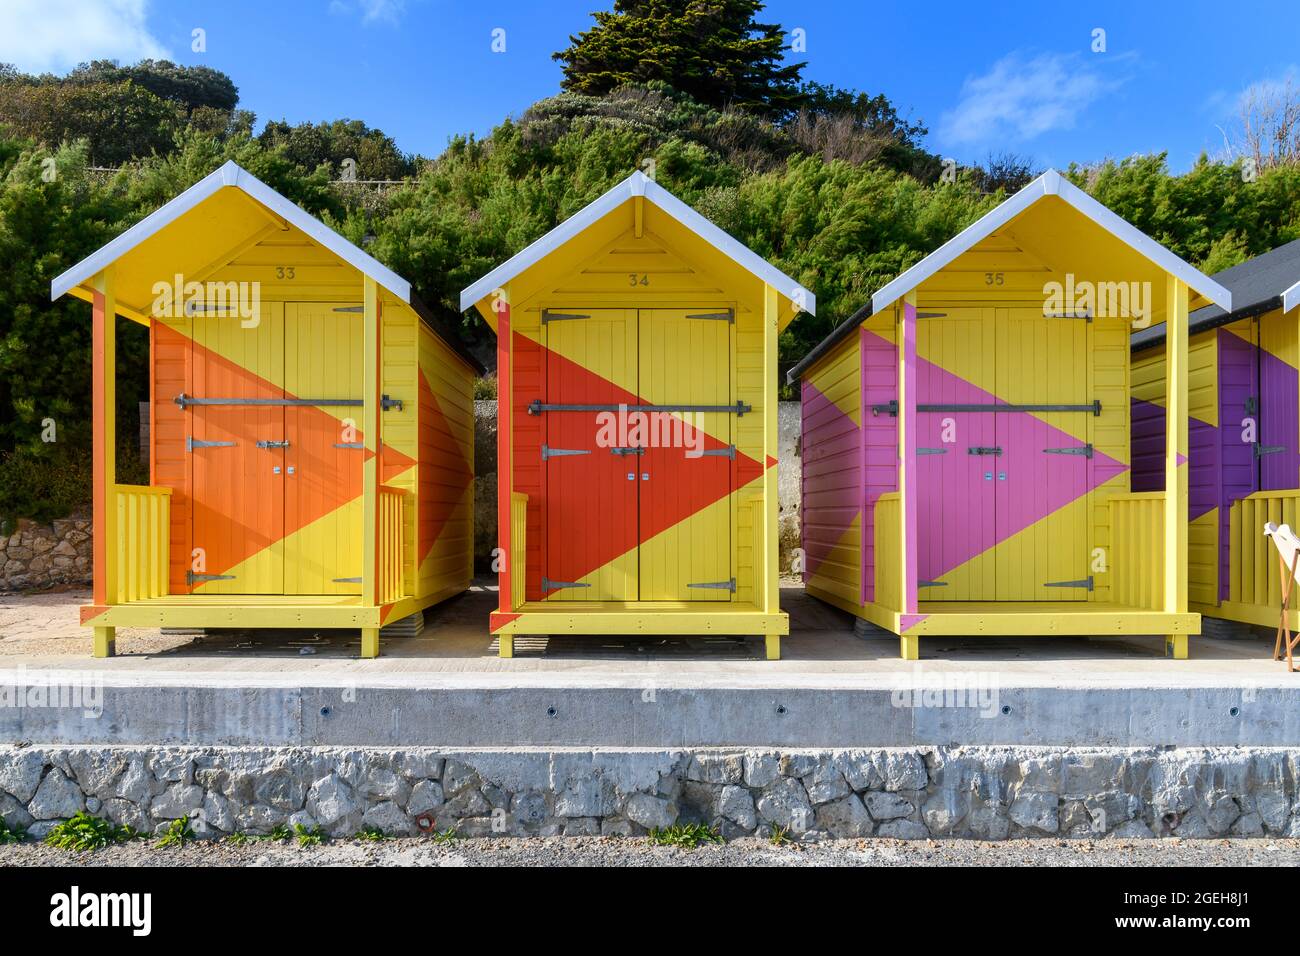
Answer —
1043 503
238 496
956 484
322 482
1279 415
591 504
685 474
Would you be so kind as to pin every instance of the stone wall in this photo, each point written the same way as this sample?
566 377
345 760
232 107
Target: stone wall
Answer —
989 793
45 555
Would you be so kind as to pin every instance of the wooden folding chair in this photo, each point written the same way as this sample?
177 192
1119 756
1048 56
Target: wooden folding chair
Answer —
1288 560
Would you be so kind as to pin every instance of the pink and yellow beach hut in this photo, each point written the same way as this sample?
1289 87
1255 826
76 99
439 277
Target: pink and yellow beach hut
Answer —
966 464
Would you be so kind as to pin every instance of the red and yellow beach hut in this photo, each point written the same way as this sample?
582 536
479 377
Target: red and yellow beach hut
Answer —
311 435
637 433
1244 403
965 440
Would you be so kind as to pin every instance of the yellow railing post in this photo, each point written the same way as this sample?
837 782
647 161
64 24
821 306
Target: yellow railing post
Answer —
1176 468
370 468
770 597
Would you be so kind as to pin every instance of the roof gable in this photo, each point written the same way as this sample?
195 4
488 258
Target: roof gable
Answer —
1050 183
639 185
229 175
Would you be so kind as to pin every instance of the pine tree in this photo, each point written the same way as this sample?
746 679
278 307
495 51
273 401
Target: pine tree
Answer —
713 50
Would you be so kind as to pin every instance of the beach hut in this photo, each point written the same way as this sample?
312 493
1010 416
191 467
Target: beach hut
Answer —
311 431
637 425
966 435
1244 404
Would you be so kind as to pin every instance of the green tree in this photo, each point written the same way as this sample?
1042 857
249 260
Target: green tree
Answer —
713 50
313 144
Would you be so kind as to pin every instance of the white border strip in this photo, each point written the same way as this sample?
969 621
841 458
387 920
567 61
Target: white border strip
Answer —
1051 183
638 184
1291 298
230 174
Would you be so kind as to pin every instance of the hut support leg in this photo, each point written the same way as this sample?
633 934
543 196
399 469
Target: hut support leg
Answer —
1176 647
105 641
505 645
909 647
773 642
370 642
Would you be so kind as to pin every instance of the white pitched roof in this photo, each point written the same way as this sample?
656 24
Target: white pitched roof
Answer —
230 174
638 184
1051 183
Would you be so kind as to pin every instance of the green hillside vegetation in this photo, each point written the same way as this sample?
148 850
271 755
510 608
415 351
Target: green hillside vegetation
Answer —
835 187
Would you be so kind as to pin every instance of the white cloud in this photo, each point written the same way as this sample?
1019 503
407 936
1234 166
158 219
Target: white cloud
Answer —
55 35
370 11
1020 97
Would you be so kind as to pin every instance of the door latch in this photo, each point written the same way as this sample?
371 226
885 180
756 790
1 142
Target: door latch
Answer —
281 443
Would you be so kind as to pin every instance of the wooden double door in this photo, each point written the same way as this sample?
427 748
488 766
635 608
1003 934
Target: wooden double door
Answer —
638 455
275 451
1005 429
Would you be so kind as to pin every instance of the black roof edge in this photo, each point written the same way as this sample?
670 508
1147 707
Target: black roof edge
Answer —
440 329
840 333
1213 322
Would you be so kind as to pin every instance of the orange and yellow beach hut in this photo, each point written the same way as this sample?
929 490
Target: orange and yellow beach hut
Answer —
637 434
311 435
965 441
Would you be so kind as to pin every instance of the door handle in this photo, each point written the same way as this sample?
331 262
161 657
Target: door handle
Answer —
1002 475
645 476
631 476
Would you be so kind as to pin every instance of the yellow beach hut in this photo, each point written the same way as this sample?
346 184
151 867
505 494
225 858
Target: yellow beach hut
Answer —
965 436
311 441
1244 403
637 432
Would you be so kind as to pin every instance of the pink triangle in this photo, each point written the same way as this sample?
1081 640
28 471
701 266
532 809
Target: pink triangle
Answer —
964 513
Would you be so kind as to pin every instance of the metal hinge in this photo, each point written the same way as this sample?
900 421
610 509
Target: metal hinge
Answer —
350 308
353 445
931 315
193 443
995 450
549 452
729 585
1262 450
549 316
932 451
191 578
269 443
728 452
386 403
727 316
348 580
549 585
1086 315
1084 450
1084 583
931 584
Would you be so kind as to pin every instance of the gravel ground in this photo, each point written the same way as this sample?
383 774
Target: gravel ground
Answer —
597 851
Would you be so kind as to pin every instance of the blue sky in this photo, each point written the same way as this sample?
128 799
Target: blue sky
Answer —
1016 76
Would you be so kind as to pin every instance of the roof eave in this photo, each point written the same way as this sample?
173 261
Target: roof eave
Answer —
638 184
228 174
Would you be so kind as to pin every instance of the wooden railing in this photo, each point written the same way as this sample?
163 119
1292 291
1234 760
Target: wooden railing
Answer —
1252 567
390 585
887 541
143 541
1137 548
518 549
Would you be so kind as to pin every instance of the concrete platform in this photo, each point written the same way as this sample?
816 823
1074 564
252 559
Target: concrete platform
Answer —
447 688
